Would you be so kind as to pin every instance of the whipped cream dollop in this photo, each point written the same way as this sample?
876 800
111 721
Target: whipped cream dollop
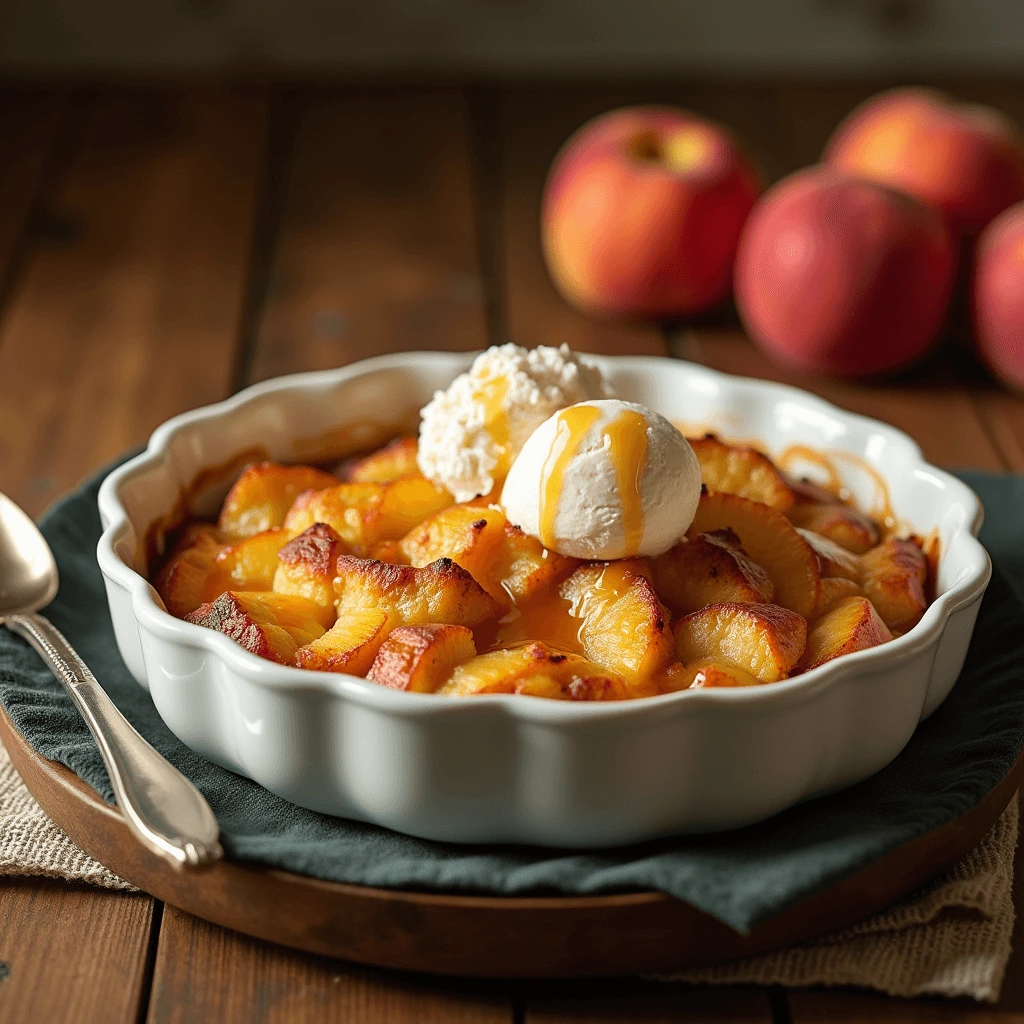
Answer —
471 433
604 480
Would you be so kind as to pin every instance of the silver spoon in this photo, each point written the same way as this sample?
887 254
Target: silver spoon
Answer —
164 810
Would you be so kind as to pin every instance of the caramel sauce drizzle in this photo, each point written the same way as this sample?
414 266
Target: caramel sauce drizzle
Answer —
881 510
492 394
570 429
628 436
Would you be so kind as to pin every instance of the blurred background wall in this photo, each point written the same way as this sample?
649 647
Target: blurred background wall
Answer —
413 37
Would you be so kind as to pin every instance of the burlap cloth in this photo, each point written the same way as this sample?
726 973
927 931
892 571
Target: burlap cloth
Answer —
950 939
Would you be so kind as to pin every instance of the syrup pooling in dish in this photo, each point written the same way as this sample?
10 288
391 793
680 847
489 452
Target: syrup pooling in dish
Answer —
372 569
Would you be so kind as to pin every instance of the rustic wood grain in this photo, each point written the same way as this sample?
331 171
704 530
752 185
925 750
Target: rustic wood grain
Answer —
651 1003
29 122
131 315
71 953
376 249
533 125
125 310
205 973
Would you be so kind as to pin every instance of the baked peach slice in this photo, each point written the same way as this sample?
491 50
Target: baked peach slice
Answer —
395 460
509 564
470 537
709 569
350 645
893 577
248 564
843 525
364 514
535 670
834 559
739 469
624 628
764 640
274 626
850 625
833 590
183 578
422 658
713 675
439 592
306 565
771 541
263 494
807 492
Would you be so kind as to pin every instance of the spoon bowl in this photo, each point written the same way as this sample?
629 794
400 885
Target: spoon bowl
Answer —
28 573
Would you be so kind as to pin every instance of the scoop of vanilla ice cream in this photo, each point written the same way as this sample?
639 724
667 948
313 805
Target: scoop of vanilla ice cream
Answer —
603 480
471 433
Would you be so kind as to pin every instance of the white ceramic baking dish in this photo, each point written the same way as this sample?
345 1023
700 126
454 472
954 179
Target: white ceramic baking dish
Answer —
520 769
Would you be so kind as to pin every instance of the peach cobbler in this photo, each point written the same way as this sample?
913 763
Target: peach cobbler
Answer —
542 537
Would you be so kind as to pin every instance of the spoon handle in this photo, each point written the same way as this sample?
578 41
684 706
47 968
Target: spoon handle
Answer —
164 810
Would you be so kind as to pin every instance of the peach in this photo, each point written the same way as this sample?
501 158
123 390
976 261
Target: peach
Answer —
841 276
998 296
963 160
642 211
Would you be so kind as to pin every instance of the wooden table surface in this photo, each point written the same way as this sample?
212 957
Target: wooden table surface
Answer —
163 247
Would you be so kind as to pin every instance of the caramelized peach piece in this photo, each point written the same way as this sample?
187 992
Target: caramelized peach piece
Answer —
248 564
893 577
764 640
363 515
271 625
808 492
844 525
851 625
711 675
833 559
262 495
709 569
771 540
526 569
536 671
396 459
182 580
421 658
306 565
741 470
470 537
623 626
350 645
439 592
833 590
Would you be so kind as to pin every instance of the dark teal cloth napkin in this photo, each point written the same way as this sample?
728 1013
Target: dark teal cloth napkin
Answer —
742 877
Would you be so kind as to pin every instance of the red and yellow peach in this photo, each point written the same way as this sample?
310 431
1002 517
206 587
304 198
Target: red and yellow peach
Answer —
998 296
839 275
642 212
964 160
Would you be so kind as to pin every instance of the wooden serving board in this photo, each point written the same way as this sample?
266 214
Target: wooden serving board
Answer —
483 936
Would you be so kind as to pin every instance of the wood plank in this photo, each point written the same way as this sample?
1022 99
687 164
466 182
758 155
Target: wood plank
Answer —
126 316
377 245
29 121
534 124
206 973
135 316
648 1003
71 953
